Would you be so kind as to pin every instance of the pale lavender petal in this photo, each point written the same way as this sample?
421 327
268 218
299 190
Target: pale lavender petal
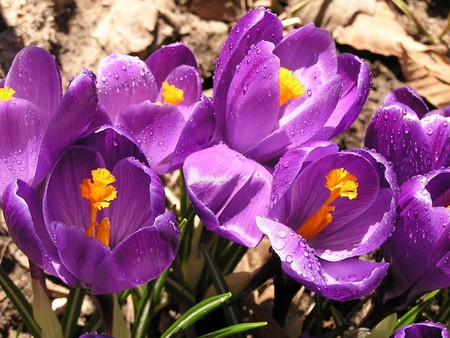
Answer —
408 97
228 191
79 253
188 79
356 81
140 199
438 132
396 132
21 132
62 200
140 258
156 128
253 98
300 126
255 26
71 120
124 80
113 145
196 134
164 60
35 76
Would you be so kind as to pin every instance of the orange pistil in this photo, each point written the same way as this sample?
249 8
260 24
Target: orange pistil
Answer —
341 184
290 86
172 94
6 93
99 193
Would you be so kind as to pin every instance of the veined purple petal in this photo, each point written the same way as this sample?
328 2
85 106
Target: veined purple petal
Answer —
22 209
124 80
62 200
293 161
343 280
356 79
426 329
94 335
35 76
436 128
140 258
409 98
164 60
71 120
156 128
228 191
113 145
140 199
299 126
310 52
196 134
253 98
21 133
396 132
188 79
79 253
255 26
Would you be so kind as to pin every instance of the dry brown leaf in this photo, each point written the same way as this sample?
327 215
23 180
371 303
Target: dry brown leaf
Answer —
429 74
378 33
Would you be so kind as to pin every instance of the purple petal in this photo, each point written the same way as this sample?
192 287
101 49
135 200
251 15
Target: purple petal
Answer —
164 60
409 98
124 80
396 133
436 128
255 26
293 161
140 258
71 120
310 52
33 70
62 200
427 329
196 134
188 79
356 80
300 125
228 191
253 98
21 130
140 199
113 145
156 129
79 253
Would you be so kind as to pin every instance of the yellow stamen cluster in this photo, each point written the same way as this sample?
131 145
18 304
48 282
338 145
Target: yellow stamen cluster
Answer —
290 86
6 93
171 94
341 183
99 193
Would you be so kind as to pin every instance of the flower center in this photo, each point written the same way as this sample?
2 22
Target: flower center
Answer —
99 193
171 94
341 184
290 86
6 93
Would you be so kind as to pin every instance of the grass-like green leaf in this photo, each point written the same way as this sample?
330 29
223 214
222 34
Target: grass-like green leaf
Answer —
195 313
385 328
234 329
72 311
20 303
412 314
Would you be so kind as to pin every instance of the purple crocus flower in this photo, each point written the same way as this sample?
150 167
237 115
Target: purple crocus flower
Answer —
335 207
270 94
426 329
37 123
416 142
101 222
159 103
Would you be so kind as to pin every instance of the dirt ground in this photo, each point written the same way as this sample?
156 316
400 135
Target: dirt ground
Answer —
80 32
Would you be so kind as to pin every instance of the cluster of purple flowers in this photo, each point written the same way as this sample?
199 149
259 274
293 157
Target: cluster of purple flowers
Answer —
79 172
